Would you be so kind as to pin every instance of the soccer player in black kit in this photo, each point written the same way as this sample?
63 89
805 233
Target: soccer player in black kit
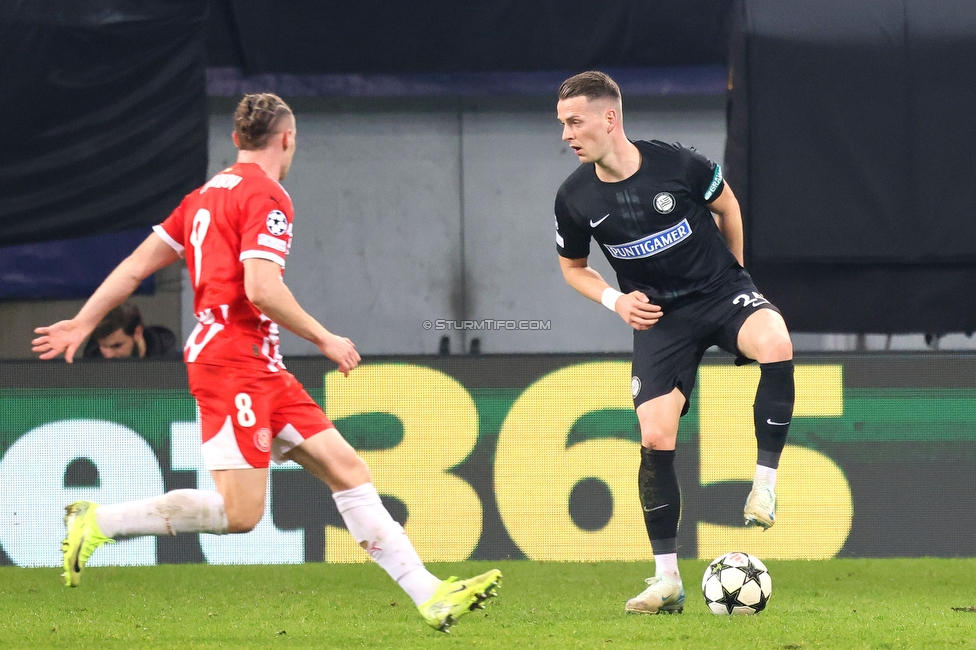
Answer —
672 231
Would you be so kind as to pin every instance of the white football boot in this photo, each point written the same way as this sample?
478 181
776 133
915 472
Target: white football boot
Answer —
760 507
662 596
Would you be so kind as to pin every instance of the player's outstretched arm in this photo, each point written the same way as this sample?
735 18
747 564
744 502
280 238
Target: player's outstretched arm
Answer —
728 216
269 293
634 307
65 337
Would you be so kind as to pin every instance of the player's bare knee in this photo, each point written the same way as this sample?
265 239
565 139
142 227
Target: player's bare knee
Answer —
354 471
235 528
345 471
658 418
657 438
242 522
775 347
243 517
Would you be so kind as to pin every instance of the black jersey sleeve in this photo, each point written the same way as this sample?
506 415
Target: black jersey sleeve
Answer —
703 176
572 241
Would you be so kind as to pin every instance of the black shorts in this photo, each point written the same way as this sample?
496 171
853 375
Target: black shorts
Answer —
667 355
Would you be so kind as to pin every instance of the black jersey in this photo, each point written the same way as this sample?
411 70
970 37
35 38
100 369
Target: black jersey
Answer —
653 227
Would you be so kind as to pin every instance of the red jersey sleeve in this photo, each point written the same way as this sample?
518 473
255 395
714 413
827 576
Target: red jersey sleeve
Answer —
266 223
171 230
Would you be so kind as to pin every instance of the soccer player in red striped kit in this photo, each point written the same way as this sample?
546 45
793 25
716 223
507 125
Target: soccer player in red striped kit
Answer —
235 233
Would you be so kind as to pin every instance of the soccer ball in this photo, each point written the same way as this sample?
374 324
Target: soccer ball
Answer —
736 583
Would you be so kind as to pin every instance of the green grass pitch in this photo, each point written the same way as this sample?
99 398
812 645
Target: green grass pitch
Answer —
895 603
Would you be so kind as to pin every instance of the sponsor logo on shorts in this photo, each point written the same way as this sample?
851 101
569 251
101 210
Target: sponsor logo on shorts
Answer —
277 222
746 300
635 386
664 202
652 244
262 440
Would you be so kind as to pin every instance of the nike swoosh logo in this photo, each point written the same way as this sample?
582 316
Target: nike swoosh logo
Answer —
594 224
777 424
646 509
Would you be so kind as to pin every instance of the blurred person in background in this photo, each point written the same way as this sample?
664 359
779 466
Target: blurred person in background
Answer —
123 335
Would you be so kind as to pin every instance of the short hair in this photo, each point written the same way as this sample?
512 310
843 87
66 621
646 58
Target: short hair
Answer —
125 317
257 118
592 85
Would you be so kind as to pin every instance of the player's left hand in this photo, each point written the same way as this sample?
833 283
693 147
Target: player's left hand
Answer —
65 337
341 350
638 311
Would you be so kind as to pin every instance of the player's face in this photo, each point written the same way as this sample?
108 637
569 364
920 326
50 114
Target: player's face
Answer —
117 345
585 127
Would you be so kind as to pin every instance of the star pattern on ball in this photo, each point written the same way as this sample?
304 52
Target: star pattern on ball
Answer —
730 600
752 573
718 567
761 605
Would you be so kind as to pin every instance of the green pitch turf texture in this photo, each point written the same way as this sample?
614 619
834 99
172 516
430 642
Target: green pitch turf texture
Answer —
898 603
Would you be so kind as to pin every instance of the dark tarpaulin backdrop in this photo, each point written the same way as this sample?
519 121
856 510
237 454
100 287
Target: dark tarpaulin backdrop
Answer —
67 268
106 119
850 148
409 36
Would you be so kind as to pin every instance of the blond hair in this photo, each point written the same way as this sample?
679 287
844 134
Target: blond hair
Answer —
257 118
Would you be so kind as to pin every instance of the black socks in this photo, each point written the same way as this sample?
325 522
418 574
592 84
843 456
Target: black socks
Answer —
660 499
773 410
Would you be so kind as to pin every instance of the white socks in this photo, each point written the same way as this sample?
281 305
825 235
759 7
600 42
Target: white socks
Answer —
179 511
765 475
375 530
666 566
200 511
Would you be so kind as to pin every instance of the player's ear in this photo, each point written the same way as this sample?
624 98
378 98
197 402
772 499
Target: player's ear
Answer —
237 140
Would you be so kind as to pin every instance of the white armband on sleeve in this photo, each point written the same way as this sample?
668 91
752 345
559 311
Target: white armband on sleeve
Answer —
609 298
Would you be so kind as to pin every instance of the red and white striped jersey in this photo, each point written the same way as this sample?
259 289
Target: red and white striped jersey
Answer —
238 214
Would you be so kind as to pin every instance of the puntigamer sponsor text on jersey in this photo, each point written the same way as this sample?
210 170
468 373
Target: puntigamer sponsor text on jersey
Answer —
652 244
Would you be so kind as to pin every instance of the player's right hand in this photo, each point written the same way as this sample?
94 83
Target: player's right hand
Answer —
65 336
637 310
342 351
